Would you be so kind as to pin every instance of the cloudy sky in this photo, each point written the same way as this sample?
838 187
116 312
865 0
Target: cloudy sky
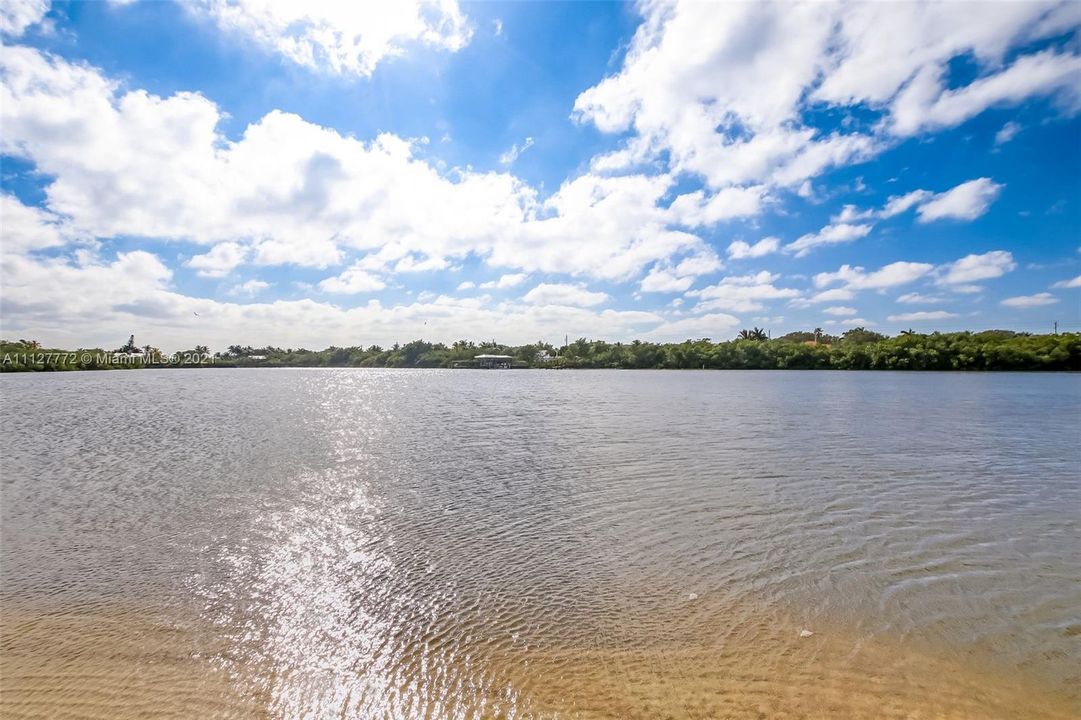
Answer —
318 173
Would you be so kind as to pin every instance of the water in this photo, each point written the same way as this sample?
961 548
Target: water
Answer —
462 544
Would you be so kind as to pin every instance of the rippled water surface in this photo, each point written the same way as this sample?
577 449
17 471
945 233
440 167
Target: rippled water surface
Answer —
529 544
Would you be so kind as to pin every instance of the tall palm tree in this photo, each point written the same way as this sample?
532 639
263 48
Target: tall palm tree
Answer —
818 334
755 334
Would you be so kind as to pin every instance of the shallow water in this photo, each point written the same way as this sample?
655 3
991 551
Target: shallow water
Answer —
460 544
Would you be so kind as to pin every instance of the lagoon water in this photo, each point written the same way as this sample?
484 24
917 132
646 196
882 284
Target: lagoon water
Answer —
529 544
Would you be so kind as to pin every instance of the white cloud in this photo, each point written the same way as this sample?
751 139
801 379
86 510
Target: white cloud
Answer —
742 293
832 295
697 208
840 310
829 235
505 281
418 262
607 227
851 322
899 204
967 201
716 326
91 301
515 150
220 261
18 15
918 299
564 294
665 281
668 278
250 288
24 228
728 105
342 37
1007 132
921 316
466 285
70 297
1030 301
352 280
973 268
925 104
297 193
1073 283
857 278
740 249
702 262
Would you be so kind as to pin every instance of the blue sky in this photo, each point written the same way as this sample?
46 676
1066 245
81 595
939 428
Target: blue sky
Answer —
318 174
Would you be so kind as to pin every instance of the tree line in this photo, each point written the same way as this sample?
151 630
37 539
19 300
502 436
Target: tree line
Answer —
855 349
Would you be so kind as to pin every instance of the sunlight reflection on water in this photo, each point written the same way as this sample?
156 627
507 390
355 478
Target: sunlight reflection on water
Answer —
438 544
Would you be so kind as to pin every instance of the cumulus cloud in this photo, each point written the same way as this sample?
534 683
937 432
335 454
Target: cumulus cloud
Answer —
16 16
832 295
564 294
220 261
742 293
341 37
505 281
669 277
27 228
740 249
352 280
967 201
697 208
1030 301
891 275
976 267
840 310
716 326
829 235
132 293
249 288
665 280
731 110
925 104
297 193
1072 283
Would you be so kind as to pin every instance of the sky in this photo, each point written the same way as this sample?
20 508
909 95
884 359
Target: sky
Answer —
254 172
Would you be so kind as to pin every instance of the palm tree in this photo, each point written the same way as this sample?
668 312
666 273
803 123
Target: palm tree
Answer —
755 334
910 331
818 334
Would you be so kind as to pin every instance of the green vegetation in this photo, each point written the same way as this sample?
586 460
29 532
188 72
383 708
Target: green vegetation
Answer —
856 349
29 355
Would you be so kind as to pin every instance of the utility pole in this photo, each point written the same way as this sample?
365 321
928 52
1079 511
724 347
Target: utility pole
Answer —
1056 327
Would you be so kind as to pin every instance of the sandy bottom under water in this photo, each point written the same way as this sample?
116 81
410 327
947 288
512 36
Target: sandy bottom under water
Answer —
129 666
